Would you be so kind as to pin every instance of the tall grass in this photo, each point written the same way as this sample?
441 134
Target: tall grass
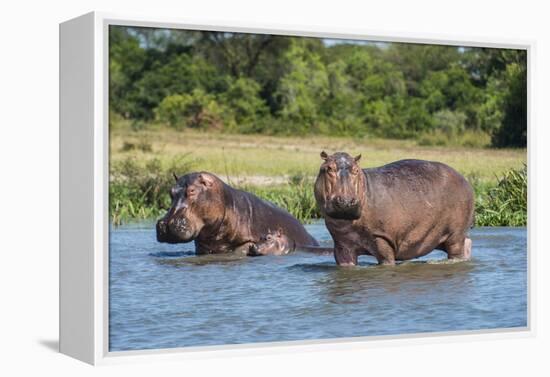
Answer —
506 203
139 190
296 197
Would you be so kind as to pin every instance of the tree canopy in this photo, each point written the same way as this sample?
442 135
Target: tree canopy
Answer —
254 83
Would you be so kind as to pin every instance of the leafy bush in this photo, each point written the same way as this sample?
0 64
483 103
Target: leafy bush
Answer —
505 204
140 191
302 88
181 73
143 145
195 110
296 197
449 122
244 100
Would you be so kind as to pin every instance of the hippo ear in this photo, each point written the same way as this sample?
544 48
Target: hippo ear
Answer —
324 155
357 158
206 179
175 176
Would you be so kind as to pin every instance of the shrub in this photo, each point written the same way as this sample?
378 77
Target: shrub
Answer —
296 197
506 203
195 110
449 122
244 100
140 191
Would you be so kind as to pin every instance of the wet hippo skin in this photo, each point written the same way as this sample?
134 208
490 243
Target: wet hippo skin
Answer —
278 243
221 219
399 211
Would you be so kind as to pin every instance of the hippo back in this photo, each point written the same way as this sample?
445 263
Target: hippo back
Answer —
413 188
262 216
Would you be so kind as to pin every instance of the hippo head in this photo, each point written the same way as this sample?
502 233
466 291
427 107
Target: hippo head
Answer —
197 202
340 186
273 243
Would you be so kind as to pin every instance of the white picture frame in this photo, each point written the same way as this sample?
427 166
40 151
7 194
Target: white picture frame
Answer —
84 223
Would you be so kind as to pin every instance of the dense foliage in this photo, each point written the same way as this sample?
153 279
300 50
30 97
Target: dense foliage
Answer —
251 83
506 203
140 191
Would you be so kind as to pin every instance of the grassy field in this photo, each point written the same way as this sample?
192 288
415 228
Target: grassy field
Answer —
282 169
259 157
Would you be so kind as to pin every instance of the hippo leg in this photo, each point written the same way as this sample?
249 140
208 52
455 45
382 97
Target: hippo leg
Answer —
345 256
468 248
245 248
385 253
459 249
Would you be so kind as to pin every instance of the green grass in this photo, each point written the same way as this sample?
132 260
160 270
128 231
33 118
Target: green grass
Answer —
468 139
296 197
504 204
282 169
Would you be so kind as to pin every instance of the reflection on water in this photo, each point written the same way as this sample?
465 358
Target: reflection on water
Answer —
164 296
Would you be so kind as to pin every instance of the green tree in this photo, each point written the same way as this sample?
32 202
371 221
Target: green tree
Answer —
194 110
302 88
242 97
182 74
513 131
340 108
126 64
416 61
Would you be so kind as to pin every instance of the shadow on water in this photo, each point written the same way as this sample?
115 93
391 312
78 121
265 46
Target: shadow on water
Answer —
169 254
203 260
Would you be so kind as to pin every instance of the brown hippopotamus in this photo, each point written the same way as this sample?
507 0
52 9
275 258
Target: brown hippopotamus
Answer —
399 211
221 219
278 243
273 243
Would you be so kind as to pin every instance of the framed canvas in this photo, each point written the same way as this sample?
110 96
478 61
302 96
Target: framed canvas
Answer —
230 189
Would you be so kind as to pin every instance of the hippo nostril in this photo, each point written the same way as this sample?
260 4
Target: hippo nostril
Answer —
178 224
162 226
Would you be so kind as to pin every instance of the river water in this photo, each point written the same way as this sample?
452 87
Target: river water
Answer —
161 296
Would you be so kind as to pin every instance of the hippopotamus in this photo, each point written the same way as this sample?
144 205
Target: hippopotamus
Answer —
399 211
277 243
222 219
273 243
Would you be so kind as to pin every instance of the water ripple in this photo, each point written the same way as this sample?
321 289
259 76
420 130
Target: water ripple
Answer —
164 296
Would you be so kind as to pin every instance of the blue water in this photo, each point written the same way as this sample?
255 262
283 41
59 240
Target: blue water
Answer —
163 296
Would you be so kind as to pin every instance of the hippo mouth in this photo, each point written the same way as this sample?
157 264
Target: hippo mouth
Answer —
174 231
344 209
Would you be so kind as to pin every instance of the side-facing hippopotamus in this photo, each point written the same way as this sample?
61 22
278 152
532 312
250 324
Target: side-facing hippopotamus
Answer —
221 219
399 211
277 243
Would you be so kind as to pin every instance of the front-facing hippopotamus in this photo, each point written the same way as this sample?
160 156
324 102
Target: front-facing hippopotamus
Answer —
399 211
221 219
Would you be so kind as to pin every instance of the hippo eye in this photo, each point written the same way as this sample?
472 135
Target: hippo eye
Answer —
269 238
355 170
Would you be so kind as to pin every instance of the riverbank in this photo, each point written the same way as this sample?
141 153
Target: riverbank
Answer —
282 169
